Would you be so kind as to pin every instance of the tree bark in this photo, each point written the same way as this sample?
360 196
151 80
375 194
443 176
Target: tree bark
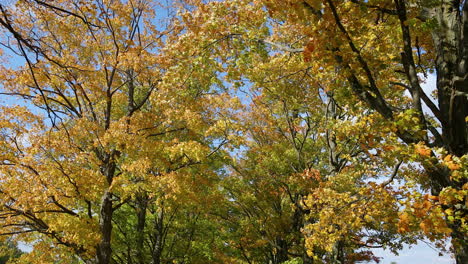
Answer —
451 45
159 237
142 203
104 249
281 251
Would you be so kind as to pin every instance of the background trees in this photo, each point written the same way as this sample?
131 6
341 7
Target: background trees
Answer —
373 56
387 46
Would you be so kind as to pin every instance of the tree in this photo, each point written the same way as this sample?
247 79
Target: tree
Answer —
369 53
385 47
118 118
9 251
269 182
295 177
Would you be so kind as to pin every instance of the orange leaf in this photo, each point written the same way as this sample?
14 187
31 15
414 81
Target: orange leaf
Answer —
308 49
422 150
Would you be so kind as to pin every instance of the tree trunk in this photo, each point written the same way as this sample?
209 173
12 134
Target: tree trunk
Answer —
460 243
159 235
281 251
452 83
338 256
104 249
142 203
105 223
451 46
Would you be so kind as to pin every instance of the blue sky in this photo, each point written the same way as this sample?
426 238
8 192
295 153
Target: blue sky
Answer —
418 254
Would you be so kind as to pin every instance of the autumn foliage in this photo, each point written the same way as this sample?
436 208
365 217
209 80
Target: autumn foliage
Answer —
189 131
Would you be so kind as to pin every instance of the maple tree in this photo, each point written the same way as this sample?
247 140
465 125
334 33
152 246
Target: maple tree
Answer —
117 120
370 54
296 178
